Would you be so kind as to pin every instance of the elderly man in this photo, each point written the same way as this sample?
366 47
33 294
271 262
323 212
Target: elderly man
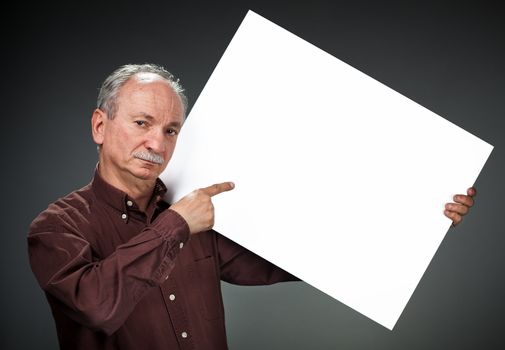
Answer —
116 261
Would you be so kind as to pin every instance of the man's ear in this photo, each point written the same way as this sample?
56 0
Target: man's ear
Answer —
98 124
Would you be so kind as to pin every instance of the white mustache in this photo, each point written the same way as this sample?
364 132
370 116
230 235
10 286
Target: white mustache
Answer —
149 156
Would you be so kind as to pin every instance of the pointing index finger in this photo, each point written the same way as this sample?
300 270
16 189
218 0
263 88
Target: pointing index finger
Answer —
218 188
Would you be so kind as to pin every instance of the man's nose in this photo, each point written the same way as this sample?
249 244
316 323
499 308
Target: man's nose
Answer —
156 141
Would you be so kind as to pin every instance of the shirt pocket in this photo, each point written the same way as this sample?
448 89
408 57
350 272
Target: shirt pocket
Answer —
206 284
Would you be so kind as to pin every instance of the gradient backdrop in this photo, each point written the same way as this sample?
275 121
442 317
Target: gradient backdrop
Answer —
449 57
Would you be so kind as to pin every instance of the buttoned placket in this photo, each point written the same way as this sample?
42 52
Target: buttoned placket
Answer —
129 208
176 313
128 204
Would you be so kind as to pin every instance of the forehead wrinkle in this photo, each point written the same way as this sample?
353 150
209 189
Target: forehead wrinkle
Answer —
148 99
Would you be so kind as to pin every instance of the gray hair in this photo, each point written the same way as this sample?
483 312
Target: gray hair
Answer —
109 91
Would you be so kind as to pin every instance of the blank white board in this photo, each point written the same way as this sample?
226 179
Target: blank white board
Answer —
340 180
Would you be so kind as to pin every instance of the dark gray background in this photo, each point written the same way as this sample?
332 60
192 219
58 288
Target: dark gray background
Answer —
449 57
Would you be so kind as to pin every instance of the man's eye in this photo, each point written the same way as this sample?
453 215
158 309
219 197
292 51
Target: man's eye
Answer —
140 122
172 132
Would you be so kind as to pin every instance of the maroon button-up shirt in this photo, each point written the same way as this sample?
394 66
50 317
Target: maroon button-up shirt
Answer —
119 278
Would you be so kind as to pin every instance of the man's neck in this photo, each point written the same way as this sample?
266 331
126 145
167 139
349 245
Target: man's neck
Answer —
137 189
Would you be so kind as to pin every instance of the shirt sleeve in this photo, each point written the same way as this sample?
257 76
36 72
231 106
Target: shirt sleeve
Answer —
241 266
101 294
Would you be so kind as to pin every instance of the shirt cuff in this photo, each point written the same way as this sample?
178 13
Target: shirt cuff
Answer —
174 231
172 228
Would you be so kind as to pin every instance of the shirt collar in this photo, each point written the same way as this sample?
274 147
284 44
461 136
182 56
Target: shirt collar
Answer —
119 199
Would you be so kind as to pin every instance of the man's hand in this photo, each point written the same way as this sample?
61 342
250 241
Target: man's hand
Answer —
456 211
197 208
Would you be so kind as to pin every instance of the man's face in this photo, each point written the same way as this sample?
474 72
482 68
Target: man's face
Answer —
141 138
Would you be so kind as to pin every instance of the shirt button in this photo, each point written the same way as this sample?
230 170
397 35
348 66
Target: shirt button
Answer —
171 297
123 216
181 245
184 334
129 203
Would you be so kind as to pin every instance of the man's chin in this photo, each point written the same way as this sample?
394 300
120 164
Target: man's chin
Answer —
146 174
